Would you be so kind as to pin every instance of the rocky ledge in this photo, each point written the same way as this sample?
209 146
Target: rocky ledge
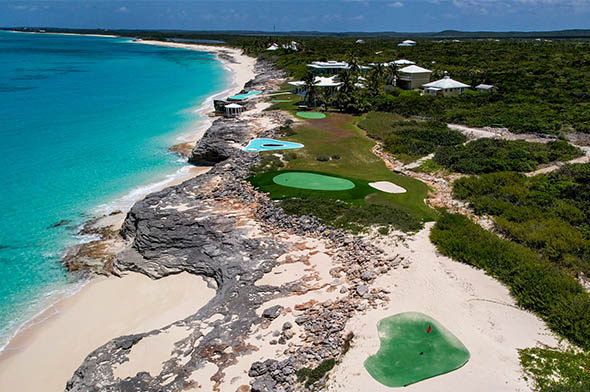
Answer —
218 227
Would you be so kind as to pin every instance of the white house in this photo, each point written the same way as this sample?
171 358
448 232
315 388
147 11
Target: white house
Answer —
407 42
412 77
331 67
330 84
485 88
445 86
273 47
233 110
360 41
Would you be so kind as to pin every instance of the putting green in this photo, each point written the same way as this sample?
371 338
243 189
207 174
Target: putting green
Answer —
414 347
281 100
316 182
311 115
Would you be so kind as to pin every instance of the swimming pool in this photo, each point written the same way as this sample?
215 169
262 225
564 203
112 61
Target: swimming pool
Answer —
241 97
270 145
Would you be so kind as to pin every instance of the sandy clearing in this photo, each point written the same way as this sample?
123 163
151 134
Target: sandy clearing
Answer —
104 309
473 306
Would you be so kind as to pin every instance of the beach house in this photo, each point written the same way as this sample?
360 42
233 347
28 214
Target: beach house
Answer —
331 67
328 84
233 110
407 42
445 86
485 88
412 77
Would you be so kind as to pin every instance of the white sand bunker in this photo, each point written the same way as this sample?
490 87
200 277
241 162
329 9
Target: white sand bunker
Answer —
386 186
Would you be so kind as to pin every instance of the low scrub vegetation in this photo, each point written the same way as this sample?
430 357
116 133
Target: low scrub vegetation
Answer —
556 371
493 155
548 213
557 297
409 140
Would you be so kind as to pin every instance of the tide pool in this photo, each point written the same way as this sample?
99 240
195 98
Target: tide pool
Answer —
83 122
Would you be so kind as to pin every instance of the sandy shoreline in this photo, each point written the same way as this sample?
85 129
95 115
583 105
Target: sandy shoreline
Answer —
56 341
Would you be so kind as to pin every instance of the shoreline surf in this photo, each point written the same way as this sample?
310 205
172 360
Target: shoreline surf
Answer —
240 70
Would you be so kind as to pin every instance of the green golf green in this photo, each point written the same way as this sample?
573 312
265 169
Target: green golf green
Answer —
414 347
281 100
311 115
316 182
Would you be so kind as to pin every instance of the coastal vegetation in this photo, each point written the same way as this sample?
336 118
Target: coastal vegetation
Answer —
496 155
409 140
547 213
557 371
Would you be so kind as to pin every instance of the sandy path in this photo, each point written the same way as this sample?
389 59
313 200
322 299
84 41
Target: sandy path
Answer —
44 357
474 307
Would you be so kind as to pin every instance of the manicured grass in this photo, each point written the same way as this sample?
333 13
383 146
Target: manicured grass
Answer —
414 347
312 181
338 135
310 115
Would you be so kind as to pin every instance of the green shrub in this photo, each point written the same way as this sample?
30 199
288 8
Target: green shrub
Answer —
494 155
311 376
335 157
289 156
323 158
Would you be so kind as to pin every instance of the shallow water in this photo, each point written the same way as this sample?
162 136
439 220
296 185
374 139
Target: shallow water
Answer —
83 122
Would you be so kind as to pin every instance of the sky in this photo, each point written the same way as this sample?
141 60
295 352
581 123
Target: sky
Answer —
301 15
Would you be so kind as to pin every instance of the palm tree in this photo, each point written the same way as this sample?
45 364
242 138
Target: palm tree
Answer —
310 89
391 74
353 63
376 80
324 100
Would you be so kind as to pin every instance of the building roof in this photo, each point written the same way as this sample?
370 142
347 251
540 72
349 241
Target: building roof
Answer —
414 69
234 106
403 62
409 42
485 86
273 47
446 83
328 64
319 81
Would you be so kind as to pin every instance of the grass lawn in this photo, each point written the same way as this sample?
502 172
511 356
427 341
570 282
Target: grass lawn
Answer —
350 151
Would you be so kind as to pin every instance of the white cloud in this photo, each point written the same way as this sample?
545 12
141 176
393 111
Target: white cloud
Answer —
397 4
122 9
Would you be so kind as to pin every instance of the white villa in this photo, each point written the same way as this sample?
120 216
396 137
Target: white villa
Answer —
445 86
331 67
407 42
485 88
273 47
412 77
328 83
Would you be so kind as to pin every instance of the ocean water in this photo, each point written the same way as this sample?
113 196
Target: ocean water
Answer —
84 121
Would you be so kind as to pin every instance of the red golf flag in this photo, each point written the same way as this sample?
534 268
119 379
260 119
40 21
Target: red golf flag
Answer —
429 329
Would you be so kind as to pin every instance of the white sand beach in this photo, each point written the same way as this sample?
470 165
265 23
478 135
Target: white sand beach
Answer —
104 309
57 341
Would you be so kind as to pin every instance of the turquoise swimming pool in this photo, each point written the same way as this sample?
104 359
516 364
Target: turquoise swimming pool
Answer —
270 145
241 97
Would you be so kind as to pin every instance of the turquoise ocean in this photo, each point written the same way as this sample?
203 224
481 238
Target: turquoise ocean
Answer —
85 124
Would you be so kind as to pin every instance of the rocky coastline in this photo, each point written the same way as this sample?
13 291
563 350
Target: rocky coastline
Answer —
217 226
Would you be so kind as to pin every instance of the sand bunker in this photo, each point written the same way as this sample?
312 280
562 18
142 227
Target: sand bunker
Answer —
386 186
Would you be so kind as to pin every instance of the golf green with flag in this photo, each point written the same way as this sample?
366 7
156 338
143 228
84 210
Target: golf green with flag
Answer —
414 347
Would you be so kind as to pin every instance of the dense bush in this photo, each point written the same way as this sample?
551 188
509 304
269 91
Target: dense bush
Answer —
310 376
323 158
352 217
409 139
494 155
549 214
536 284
